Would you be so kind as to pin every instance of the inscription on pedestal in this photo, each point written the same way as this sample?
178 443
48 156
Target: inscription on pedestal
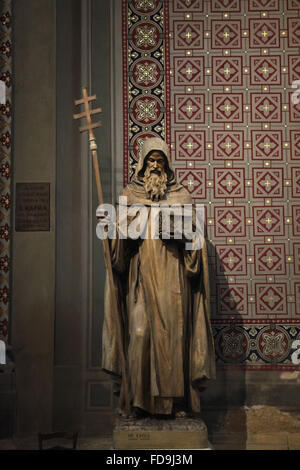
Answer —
32 207
138 436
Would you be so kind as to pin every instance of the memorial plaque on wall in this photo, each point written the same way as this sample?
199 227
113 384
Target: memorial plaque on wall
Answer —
32 207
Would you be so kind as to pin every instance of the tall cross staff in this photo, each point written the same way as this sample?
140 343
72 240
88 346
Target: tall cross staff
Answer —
88 113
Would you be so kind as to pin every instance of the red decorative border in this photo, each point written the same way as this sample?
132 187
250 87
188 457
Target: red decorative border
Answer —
125 90
167 73
256 321
259 367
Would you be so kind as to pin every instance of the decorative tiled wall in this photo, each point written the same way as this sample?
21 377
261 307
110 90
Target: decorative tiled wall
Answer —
214 78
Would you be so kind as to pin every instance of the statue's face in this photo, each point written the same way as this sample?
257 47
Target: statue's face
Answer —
156 163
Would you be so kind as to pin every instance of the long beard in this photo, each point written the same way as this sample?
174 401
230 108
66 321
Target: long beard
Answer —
155 185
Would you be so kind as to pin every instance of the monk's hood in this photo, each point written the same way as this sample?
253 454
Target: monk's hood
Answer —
150 145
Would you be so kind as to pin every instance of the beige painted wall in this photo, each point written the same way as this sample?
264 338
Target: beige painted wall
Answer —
34 252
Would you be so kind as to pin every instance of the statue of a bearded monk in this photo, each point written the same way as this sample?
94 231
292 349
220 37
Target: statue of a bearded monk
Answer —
164 303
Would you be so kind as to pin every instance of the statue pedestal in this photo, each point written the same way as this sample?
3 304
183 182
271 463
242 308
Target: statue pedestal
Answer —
152 433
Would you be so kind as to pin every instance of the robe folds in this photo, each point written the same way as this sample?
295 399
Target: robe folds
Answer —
164 308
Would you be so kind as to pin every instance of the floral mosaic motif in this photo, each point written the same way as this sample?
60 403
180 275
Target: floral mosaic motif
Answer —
5 48
6 19
144 6
6 77
233 344
273 343
5 201
4 295
5 232
146 73
6 109
146 110
5 170
145 36
256 345
5 140
4 263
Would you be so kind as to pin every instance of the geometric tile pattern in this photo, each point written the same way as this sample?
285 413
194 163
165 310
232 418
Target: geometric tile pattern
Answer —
266 145
229 183
268 182
270 259
232 300
231 260
5 164
265 70
221 87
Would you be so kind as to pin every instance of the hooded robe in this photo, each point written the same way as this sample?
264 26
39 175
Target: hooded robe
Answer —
164 307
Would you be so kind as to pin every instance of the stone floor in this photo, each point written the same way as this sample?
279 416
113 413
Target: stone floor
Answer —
31 443
275 441
243 428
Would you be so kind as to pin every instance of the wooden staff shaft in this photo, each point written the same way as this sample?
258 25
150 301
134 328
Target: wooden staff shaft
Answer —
107 258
